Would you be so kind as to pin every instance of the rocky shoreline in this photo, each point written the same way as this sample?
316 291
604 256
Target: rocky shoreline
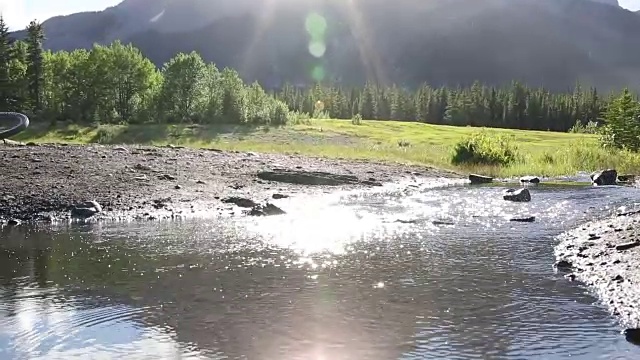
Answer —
605 255
51 181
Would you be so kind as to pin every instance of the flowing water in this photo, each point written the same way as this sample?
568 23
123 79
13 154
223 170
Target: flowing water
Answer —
336 278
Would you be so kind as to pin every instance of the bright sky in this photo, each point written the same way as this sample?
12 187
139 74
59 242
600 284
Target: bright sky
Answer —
18 13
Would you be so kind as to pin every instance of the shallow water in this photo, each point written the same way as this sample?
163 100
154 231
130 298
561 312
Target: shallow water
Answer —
337 279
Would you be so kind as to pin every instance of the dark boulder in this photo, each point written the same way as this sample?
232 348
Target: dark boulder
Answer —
519 195
14 222
309 178
530 180
266 210
605 177
563 265
627 178
480 179
627 246
240 202
632 336
86 209
526 219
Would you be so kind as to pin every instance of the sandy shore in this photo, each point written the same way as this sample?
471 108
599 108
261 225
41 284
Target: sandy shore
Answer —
39 181
605 255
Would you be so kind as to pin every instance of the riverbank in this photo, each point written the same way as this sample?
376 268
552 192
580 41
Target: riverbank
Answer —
131 181
541 153
605 255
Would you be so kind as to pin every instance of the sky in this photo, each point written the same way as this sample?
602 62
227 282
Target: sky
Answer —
18 13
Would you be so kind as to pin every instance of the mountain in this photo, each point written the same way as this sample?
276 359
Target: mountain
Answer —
608 2
541 42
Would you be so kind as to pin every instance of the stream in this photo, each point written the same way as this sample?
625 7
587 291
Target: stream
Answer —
338 277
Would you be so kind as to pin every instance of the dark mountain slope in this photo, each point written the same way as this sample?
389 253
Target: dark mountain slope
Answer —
542 42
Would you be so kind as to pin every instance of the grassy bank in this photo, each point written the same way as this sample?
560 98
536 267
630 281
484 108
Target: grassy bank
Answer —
539 153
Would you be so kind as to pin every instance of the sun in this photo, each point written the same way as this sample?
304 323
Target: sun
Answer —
317 26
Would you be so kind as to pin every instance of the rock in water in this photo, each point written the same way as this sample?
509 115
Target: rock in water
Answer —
86 209
605 177
520 195
627 178
563 265
266 210
528 219
530 179
632 336
479 179
14 222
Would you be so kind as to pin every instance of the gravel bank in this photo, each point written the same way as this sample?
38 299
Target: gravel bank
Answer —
605 255
40 181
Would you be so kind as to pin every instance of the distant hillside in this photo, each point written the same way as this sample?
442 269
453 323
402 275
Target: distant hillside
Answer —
541 42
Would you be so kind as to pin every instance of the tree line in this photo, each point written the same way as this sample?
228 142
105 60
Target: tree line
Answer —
117 84
516 106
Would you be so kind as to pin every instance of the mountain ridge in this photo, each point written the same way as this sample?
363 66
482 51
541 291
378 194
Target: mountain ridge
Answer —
552 43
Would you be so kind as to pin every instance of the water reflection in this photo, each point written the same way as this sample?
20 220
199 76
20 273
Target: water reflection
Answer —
296 287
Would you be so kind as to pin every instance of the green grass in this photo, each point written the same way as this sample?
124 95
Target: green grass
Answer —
539 152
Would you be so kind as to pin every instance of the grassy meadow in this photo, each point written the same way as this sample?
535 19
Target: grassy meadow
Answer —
538 152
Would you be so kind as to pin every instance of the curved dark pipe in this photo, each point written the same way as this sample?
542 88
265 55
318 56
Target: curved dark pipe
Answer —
12 123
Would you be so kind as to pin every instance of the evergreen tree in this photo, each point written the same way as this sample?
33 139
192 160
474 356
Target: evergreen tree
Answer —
35 65
6 89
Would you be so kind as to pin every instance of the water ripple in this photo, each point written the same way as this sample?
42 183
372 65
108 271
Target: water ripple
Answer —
337 277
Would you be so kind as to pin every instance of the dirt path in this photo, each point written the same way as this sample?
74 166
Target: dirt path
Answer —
150 182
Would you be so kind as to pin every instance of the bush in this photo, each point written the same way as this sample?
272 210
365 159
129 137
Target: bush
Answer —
485 149
105 135
356 119
403 143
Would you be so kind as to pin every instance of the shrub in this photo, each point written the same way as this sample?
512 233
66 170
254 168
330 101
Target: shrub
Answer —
484 148
403 143
590 128
105 135
356 119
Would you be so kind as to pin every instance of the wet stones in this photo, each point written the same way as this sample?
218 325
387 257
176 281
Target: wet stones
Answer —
480 179
605 177
519 195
